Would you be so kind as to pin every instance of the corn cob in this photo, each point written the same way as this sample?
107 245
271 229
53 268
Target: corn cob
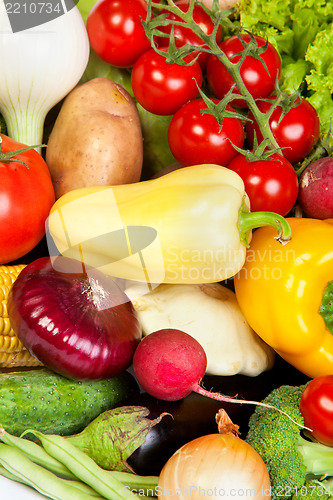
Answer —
12 351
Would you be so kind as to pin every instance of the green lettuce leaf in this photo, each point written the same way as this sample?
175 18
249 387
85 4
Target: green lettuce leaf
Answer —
302 32
266 12
84 7
305 27
322 9
97 68
156 151
293 74
320 78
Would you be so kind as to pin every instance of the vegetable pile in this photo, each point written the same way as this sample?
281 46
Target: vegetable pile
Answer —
166 250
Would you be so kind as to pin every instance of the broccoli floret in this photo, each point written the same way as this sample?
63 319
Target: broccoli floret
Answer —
314 490
291 459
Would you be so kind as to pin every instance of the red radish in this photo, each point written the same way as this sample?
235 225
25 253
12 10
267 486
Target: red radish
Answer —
316 189
169 364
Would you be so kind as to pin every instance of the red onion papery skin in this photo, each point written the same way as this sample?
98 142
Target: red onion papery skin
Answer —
83 327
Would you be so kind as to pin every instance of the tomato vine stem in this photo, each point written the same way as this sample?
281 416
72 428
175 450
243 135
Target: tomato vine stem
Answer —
174 55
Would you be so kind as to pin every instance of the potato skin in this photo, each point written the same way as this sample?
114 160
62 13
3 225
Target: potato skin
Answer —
96 139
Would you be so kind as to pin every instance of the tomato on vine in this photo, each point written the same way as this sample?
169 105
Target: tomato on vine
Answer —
184 35
162 88
316 407
271 184
297 132
259 75
196 138
115 31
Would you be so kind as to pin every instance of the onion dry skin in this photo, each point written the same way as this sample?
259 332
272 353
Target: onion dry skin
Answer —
215 465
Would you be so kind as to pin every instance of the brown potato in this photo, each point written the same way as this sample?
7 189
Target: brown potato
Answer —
96 139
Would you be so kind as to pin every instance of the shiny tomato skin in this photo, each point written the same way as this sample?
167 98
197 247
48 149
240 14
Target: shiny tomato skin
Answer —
196 138
26 197
186 35
271 185
296 133
257 80
316 407
116 33
163 88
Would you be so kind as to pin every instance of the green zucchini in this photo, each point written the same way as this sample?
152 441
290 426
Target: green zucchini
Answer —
53 404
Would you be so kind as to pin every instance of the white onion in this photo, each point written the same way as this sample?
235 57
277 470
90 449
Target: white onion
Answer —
39 66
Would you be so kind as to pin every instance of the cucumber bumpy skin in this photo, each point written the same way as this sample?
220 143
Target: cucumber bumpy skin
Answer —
53 404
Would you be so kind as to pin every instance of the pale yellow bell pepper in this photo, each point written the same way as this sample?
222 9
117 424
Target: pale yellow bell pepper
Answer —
192 225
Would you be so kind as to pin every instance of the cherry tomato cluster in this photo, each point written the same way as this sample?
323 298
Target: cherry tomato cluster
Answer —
195 136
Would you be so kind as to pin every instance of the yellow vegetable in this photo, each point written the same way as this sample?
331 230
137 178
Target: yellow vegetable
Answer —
192 225
12 351
285 293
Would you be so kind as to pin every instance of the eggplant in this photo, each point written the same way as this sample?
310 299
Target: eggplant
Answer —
194 416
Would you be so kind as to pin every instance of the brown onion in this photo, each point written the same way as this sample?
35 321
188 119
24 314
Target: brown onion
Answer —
215 465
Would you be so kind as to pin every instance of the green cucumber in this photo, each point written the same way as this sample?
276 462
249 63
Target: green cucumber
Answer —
53 404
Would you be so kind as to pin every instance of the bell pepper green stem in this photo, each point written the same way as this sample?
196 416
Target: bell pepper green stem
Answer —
251 220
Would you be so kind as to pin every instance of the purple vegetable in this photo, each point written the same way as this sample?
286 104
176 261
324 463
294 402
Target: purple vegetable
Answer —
316 189
78 325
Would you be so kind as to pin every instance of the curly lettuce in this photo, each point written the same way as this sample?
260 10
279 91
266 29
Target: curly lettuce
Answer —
302 31
320 78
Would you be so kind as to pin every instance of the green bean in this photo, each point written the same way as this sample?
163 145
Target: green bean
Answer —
5 473
36 453
85 488
82 466
76 484
144 484
42 480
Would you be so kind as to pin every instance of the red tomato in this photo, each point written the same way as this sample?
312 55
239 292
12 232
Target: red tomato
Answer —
297 132
163 88
317 408
115 31
259 81
196 138
26 197
271 185
185 35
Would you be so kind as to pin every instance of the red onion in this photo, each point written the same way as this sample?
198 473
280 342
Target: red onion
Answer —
78 324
